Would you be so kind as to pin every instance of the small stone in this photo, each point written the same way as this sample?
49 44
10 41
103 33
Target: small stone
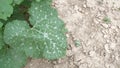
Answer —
111 31
107 48
107 41
113 45
117 30
79 9
101 8
92 35
54 62
105 36
76 7
67 35
103 32
95 21
113 27
31 64
105 25
69 53
118 27
92 53
84 5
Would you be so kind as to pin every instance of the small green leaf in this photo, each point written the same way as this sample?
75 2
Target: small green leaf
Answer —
107 20
77 43
6 9
45 21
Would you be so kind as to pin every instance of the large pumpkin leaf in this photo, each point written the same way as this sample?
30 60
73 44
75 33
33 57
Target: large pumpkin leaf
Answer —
45 39
44 19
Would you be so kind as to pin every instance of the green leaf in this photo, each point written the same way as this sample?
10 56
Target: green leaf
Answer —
46 39
77 42
1 24
12 58
40 11
6 9
52 31
33 44
44 19
14 29
1 39
38 0
106 20
19 35
17 1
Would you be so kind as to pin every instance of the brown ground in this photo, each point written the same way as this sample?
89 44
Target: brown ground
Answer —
99 40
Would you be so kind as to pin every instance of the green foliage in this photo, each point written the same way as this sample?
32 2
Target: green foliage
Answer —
12 58
1 39
1 24
6 9
38 0
41 34
77 43
106 20
17 1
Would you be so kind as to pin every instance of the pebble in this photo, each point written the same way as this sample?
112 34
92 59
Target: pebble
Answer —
113 27
92 53
107 48
103 32
105 36
97 22
92 35
105 25
69 53
76 7
67 35
84 6
102 9
113 45
108 41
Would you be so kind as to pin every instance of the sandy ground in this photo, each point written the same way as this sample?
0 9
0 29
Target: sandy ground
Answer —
95 26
